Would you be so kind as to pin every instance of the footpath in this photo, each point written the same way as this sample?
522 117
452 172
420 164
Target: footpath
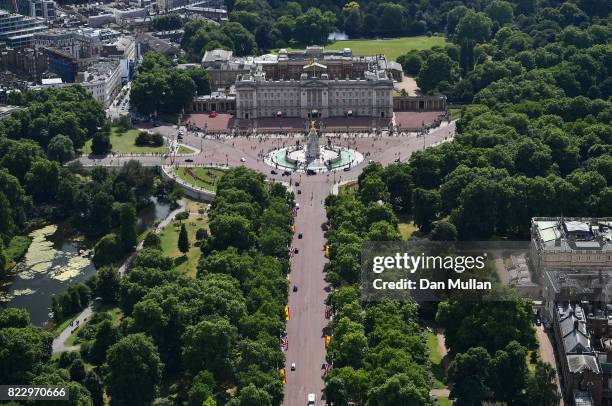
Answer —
59 342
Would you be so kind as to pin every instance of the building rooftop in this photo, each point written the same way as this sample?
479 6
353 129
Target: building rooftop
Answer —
594 285
573 234
51 81
583 362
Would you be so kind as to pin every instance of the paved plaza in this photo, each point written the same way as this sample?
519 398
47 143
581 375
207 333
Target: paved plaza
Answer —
305 329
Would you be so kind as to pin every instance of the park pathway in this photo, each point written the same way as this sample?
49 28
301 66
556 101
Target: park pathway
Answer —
305 329
59 342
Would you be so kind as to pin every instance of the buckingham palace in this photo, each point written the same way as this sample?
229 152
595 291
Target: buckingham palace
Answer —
314 94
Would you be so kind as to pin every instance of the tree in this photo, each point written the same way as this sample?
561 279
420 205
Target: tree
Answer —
469 374
42 180
14 317
509 373
443 231
100 144
152 240
243 41
252 396
411 63
183 240
542 387
128 235
200 389
153 258
373 189
437 68
314 26
201 79
353 19
24 352
134 371
107 250
106 336
107 284
473 28
94 385
399 389
167 22
231 230
425 206
209 344
3 260
60 148
500 11
77 370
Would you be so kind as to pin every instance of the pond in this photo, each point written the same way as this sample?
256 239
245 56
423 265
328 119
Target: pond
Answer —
56 258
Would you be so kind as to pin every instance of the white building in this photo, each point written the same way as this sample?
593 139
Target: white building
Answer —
560 244
315 95
102 80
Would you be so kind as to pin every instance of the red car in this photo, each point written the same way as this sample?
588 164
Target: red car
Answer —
212 114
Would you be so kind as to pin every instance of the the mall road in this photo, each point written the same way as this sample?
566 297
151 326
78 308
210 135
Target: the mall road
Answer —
305 329
307 305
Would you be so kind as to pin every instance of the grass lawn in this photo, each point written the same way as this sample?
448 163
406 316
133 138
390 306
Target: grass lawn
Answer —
210 176
455 113
444 401
348 188
58 329
436 360
169 242
124 143
406 227
116 316
17 248
185 150
392 48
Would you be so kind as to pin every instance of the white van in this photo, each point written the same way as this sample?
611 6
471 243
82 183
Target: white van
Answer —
311 399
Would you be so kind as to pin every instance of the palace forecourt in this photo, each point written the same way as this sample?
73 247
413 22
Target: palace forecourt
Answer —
283 92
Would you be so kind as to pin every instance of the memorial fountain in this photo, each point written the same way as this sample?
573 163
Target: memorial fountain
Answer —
313 157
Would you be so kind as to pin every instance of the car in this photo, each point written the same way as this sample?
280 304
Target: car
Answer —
300 236
297 184
189 160
396 160
538 322
212 114
311 399
296 251
299 191
346 169
310 172
286 173
273 172
243 159
295 288
293 366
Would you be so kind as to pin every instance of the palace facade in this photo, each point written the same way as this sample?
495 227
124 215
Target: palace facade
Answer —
314 95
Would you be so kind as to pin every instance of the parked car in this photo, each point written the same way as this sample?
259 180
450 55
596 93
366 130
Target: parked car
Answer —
300 236
212 114
189 160
295 288
243 159
293 366
273 172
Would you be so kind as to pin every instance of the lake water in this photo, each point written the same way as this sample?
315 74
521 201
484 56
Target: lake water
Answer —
56 258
